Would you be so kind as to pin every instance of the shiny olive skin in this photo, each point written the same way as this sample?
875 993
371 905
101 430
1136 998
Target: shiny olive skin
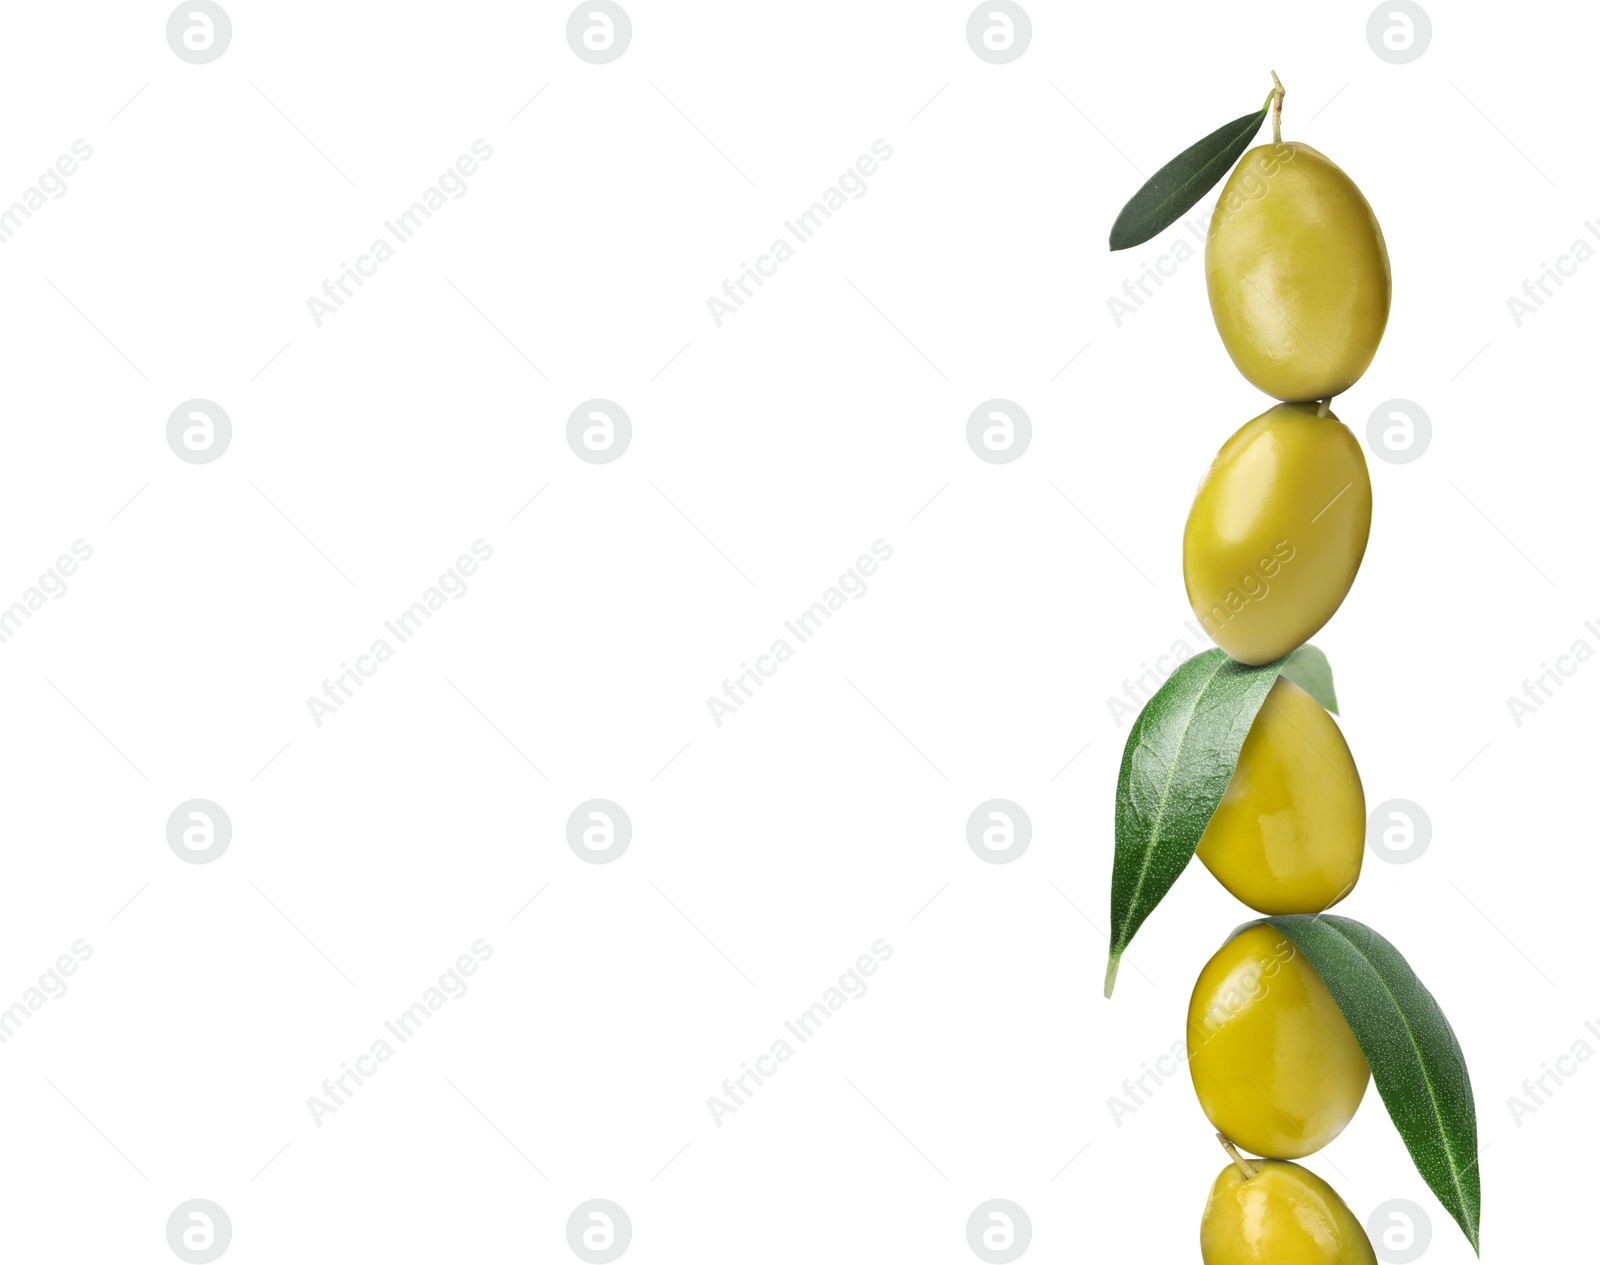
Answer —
1277 532
1284 1215
1289 835
1274 1064
1297 273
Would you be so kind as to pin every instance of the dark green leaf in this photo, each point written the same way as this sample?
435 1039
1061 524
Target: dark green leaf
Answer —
1308 668
1176 765
1415 1058
1184 181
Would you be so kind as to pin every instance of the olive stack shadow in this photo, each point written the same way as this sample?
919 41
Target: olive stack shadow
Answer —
1238 758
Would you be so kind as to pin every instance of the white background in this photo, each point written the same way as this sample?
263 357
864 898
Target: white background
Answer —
768 853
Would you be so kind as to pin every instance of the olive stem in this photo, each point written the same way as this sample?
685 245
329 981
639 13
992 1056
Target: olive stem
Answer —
1242 1164
1278 95
1111 972
1322 407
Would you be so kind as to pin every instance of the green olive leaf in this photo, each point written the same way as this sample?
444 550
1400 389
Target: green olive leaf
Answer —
1415 1058
1177 763
1184 181
1308 668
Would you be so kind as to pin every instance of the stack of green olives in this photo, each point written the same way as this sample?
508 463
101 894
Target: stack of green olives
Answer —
1298 278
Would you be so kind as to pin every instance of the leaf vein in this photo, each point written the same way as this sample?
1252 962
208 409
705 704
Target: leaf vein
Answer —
1154 834
1427 1081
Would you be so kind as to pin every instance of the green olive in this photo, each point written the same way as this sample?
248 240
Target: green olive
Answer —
1277 531
1271 1211
1289 833
1297 273
1274 1064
